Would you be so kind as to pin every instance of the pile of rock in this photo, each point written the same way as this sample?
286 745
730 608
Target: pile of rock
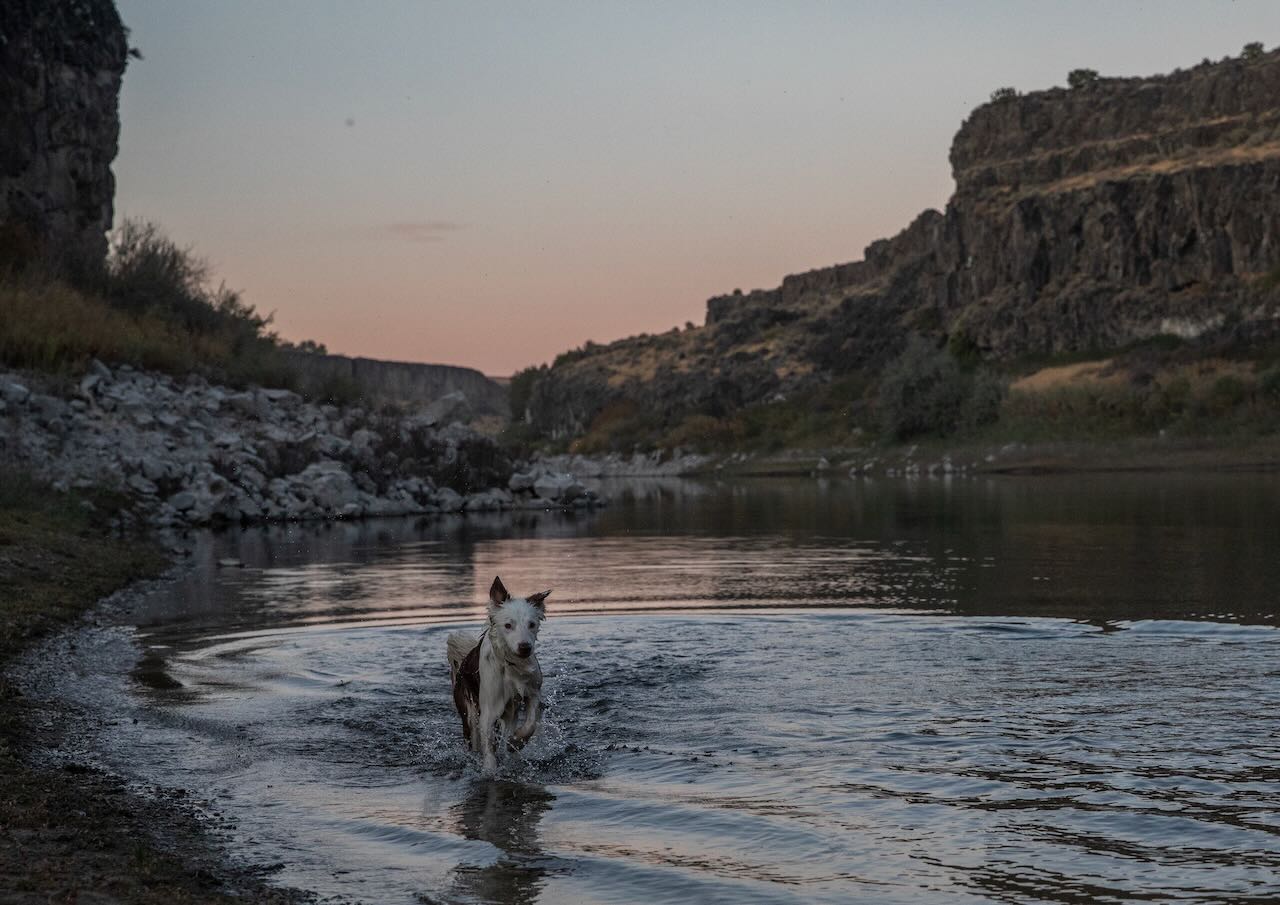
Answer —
542 486
191 453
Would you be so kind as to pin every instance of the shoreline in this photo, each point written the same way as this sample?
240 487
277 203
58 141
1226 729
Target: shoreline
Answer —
70 827
1152 455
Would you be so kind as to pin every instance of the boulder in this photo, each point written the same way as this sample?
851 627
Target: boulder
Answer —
559 487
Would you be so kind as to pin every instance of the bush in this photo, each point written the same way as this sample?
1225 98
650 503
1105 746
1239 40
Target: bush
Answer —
147 272
1252 51
704 433
1082 78
1003 94
520 390
982 405
150 304
1226 394
1269 385
921 392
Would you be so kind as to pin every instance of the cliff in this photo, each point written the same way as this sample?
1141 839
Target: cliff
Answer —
403 382
61 62
1082 219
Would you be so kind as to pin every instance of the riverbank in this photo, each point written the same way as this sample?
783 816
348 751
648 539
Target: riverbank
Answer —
937 458
1137 454
71 832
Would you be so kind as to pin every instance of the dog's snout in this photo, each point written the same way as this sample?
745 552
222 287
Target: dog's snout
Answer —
524 649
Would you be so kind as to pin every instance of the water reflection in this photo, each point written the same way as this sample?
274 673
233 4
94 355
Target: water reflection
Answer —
506 815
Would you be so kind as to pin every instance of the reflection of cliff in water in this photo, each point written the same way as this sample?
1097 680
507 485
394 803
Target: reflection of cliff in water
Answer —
506 815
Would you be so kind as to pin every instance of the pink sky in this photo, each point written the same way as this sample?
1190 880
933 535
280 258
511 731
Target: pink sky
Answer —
489 185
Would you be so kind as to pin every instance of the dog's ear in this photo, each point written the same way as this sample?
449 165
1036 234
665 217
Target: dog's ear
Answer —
498 593
538 600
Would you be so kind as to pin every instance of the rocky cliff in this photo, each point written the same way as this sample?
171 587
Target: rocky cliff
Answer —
406 383
61 62
1082 219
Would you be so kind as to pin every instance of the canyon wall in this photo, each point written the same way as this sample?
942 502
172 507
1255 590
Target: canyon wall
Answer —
1083 219
61 62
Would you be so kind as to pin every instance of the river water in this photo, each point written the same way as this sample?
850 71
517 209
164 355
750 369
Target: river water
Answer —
1049 689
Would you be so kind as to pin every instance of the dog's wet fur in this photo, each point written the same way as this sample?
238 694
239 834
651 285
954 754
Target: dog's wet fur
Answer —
497 674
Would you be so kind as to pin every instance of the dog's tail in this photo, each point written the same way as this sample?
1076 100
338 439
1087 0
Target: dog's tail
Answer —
459 645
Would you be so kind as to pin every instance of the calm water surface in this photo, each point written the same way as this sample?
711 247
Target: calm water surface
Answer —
989 690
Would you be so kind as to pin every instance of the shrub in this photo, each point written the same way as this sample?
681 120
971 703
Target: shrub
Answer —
146 271
1269 385
1082 78
921 392
150 304
982 405
520 391
1003 94
1226 393
704 433
964 349
1252 51
621 426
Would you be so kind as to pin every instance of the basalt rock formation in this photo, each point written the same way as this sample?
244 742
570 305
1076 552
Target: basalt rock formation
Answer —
61 62
1082 219
405 383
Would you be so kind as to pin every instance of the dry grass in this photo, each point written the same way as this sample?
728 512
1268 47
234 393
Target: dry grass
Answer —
1063 375
47 325
1209 157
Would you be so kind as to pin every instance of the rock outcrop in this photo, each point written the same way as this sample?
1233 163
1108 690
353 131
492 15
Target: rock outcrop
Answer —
61 62
1083 219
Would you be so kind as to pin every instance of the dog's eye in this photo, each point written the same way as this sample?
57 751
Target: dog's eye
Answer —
533 625
508 625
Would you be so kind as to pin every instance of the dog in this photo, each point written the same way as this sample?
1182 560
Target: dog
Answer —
495 674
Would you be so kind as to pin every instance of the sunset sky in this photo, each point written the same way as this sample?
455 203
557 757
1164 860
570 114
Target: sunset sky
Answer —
491 184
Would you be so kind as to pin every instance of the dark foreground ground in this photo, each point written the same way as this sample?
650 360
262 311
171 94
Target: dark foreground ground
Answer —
76 834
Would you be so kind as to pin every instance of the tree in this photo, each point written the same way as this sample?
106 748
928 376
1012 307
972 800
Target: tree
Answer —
1082 78
1003 94
1252 51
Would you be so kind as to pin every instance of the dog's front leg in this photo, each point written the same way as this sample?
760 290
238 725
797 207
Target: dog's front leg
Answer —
491 707
532 710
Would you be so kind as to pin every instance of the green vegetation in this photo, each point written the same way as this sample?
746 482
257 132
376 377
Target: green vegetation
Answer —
1252 51
925 392
1003 94
1081 78
521 389
1161 387
151 304
1188 401
586 350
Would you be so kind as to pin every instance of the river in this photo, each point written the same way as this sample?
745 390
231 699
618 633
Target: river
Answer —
1006 689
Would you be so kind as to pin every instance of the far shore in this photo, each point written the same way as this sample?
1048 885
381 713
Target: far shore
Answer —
937 459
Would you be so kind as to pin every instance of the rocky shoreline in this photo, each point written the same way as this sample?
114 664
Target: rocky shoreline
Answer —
188 453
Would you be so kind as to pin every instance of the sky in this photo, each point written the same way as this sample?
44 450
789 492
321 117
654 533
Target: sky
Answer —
491 184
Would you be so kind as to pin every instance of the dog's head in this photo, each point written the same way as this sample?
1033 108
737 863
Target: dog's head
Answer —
514 621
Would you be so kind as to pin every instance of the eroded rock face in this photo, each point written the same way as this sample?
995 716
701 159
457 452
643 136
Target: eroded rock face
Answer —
61 62
1082 219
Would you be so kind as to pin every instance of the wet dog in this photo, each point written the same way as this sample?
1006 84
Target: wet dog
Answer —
497 673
